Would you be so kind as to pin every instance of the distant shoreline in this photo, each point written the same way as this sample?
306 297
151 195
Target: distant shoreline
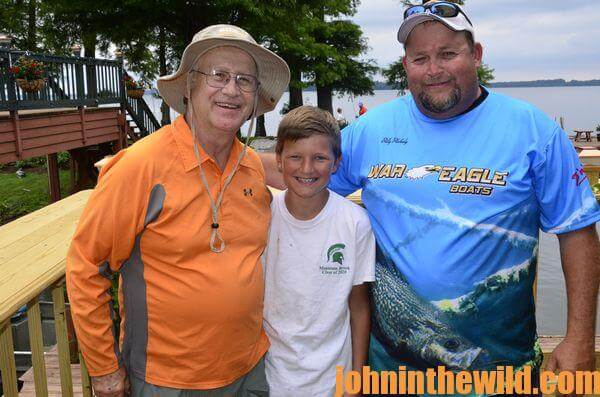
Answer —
546 83
380 85
523 84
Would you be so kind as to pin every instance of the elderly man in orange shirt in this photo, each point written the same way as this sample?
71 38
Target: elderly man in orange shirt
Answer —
183 215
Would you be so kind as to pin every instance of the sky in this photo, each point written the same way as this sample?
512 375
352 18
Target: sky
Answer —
522 39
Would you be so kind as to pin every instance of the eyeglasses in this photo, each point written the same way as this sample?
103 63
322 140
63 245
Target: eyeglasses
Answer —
220 79
441 9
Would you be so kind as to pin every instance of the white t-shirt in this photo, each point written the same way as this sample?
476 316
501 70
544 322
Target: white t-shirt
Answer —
310 269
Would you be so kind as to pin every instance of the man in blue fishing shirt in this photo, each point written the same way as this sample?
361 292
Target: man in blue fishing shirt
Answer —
458 180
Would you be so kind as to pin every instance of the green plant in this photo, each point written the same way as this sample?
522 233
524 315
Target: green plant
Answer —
36 162
64 159
33 162
28 69
598 128
114 297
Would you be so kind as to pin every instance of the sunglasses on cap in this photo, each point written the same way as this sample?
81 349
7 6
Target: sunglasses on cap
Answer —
441 9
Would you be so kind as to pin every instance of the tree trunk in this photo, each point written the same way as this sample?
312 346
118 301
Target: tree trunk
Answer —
324 98
90 41
261 130
195 19
162 59
189 23
89 44
294 88
31 26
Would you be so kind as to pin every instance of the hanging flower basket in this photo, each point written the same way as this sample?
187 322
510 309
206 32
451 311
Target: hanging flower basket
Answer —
29 74
135 89
31 85
136 93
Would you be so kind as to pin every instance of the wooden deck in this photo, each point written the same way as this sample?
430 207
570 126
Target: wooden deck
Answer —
548 344
32 259
37 133
41 237
53 376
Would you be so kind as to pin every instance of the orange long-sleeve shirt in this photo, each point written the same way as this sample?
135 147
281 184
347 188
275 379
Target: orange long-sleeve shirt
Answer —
192 317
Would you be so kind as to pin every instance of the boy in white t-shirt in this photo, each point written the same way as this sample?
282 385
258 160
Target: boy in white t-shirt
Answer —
320 254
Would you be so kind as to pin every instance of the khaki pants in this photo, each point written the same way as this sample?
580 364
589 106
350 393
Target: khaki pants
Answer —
253 384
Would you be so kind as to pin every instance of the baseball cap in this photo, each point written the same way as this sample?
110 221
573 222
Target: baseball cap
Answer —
450 14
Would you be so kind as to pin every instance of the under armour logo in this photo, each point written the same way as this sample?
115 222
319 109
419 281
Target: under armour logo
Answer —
248 192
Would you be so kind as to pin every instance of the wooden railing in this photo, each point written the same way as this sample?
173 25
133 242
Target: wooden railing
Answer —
142 115
72 82
32 260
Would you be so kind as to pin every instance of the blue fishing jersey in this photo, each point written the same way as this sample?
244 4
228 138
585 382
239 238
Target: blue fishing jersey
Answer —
456 206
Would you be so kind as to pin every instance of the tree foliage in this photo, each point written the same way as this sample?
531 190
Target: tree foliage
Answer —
485 74
334 65
315 37
337 65
395 76
15 20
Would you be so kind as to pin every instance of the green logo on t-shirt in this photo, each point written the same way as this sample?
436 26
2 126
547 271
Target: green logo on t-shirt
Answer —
335 253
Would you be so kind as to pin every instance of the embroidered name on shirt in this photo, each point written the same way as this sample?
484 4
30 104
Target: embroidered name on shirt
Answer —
394 139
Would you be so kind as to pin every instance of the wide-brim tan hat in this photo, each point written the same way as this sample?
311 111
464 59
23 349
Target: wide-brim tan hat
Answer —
273 72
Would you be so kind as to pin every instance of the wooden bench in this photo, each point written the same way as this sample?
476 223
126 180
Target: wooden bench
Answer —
33 253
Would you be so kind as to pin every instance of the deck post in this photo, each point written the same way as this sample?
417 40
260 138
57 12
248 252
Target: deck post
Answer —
82 118
92 81
72 175
60 325
593 173
14 115
34 322
7 361
53 177
79 85
86 383
13 100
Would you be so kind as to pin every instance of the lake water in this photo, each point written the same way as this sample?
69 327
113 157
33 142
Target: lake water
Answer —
578 106
580 109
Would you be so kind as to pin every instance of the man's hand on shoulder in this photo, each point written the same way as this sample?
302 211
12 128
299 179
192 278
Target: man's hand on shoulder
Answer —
273 177
111 385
